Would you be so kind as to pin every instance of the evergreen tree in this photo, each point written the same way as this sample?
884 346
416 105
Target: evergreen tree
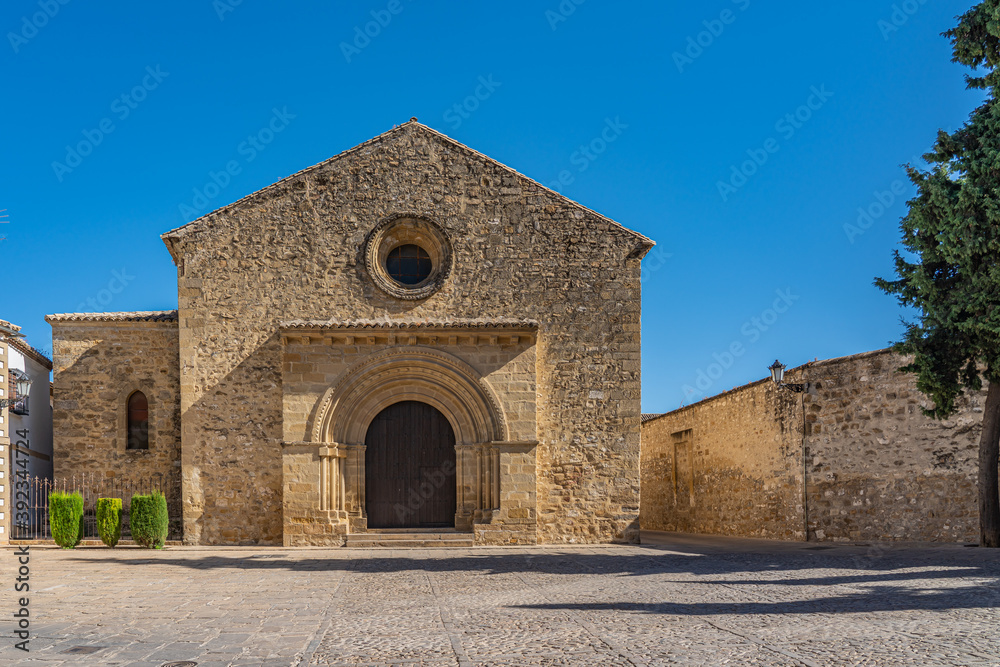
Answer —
952 231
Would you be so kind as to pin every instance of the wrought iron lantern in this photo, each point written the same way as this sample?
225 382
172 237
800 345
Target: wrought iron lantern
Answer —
22 386
778 377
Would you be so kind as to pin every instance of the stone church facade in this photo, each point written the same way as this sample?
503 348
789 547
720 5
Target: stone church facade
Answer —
408 335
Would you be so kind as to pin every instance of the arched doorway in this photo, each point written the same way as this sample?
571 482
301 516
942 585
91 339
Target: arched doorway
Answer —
410 468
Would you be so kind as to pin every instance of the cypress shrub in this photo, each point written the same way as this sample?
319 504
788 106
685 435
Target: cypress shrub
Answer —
148 520
109 520
66 518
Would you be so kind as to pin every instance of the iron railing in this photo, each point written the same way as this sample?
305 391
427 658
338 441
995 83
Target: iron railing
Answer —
91 486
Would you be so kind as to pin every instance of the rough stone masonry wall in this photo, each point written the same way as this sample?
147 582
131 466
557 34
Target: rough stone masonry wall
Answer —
877 467
729 465
294 251
97 365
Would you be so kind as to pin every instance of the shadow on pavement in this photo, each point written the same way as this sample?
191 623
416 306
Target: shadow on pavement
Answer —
878 598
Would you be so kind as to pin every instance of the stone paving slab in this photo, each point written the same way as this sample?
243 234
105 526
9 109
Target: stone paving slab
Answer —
676 600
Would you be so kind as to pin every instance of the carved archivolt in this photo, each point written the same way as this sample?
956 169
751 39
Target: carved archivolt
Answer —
412 374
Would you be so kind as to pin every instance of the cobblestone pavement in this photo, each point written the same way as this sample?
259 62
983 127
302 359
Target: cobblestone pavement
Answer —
675 600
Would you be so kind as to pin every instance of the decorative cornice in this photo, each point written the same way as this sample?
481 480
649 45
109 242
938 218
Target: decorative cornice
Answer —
401 333
479 323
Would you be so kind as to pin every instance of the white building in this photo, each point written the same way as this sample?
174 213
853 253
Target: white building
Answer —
26 424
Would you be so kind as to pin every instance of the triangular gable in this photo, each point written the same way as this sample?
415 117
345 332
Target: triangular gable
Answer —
644 243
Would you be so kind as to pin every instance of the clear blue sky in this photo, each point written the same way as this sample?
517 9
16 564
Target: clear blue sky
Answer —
217 71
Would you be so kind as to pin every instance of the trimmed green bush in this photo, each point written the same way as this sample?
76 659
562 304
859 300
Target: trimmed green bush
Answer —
148 520
109 520
66 518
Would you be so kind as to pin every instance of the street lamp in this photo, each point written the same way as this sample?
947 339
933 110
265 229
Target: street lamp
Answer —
22 385
778 377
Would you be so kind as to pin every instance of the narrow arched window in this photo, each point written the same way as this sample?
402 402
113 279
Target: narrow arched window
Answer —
138 421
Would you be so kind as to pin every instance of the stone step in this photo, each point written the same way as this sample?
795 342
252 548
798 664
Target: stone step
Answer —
408 539
408 544
390 534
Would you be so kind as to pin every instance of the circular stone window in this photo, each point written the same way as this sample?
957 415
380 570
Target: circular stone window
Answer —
408 264
408 257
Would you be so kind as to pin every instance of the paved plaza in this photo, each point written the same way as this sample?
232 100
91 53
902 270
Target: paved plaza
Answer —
675 600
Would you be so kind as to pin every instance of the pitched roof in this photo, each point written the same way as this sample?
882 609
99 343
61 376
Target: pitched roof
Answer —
178 232
135 316
21 346
9 328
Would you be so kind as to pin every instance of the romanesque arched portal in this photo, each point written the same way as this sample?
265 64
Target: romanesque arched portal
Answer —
445 384
478 377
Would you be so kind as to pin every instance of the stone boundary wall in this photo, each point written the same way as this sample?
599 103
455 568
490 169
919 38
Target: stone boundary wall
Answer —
730 465
878 469
875 467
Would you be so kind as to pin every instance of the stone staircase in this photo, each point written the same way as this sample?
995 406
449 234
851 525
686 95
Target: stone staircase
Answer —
408 538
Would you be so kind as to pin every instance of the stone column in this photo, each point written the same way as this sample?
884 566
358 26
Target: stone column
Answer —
467 481
487 477
480 475
331 479
351 474
495 477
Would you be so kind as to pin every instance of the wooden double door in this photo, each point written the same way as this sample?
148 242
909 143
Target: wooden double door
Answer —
410 468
